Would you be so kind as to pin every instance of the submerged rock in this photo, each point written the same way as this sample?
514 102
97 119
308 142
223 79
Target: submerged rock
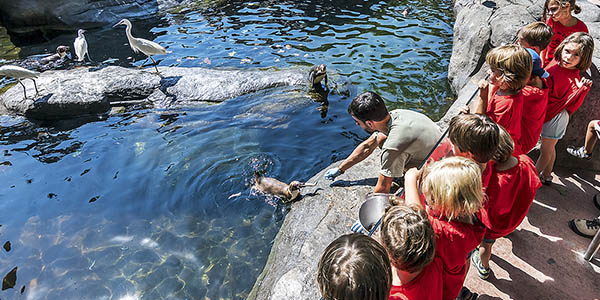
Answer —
90 91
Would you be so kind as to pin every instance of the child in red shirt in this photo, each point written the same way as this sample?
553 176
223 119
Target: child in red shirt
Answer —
563 24
453 192
510 69
409 240
510 191
567 91
354 266
535 102
535 37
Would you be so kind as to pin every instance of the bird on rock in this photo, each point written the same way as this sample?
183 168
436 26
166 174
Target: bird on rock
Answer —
81 47
19 73
147 47
61 53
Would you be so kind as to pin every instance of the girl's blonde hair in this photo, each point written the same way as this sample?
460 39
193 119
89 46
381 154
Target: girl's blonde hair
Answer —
562 3
586 49
452 187
505 147
514 62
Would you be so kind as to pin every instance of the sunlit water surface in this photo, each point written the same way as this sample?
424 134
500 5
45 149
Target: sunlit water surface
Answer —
157 204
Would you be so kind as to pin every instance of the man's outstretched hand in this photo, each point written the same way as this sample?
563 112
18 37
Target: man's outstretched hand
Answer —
331 174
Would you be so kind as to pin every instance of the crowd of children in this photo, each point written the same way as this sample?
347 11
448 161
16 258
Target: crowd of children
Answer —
455 208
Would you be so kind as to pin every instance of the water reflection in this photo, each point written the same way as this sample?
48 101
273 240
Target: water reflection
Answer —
156 203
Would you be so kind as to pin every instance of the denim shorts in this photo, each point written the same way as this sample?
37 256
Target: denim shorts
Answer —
556 127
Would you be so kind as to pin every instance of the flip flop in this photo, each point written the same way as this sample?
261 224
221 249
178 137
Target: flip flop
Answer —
596 201
466 294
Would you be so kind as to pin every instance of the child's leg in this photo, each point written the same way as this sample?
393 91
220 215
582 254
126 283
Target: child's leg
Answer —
545 162
591 137
485 253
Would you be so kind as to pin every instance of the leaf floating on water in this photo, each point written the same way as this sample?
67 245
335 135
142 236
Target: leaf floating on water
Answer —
10 279
7 246
6 163
306 55
206 61
288 46
84 172
23 290
232 53
51 195
280 51
245 60
139 148
116 174
94 199
68 178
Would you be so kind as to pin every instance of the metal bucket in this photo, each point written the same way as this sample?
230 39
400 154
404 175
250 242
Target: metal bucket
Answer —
372 209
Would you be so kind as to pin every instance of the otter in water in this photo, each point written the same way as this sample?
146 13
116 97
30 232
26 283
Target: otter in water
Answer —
287 192
61 52
316 74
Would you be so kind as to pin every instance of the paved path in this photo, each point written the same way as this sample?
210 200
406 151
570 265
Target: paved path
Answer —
543 258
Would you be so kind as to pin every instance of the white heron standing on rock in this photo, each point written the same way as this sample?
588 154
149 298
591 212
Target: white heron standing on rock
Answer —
81 47
145 46
20 73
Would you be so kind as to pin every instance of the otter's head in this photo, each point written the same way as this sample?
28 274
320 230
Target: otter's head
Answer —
316 74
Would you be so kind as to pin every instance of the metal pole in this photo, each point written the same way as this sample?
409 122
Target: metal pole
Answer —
593 247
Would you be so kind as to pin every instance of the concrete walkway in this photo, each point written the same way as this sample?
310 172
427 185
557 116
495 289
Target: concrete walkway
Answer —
543 258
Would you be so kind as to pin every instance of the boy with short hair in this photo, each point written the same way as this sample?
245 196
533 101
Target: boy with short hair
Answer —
474 136
535 37
354 267
510 191
409 240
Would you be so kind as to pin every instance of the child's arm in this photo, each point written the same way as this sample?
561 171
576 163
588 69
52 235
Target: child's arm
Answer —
481 106
574 100
411 190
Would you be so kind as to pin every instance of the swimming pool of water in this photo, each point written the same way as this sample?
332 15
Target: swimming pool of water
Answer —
157 204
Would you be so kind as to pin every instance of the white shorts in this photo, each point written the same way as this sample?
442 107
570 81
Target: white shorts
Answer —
555 128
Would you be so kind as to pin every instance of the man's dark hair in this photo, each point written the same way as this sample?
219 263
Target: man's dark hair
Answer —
476 134
368 106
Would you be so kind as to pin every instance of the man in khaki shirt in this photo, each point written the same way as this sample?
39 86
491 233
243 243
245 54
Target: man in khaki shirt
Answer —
405 137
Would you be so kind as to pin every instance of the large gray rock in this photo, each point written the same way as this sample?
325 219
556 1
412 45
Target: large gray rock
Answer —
85 91
27 16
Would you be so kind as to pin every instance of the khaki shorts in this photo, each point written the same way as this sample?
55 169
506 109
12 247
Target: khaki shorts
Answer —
555 128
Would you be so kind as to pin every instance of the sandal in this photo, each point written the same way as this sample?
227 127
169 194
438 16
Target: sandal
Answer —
466 294
547 180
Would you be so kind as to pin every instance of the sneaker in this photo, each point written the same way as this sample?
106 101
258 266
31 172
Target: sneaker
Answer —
578 152
547 180
585 228
482 271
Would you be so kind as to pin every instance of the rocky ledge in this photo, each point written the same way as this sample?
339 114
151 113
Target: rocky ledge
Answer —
328 210
90 91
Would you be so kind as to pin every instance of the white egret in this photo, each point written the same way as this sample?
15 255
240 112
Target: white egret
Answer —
147 47
20 73
81 47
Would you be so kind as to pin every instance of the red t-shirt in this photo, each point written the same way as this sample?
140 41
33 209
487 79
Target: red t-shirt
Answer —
454 240
564 93
560 33
507 111
535 102
426 286
510 194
